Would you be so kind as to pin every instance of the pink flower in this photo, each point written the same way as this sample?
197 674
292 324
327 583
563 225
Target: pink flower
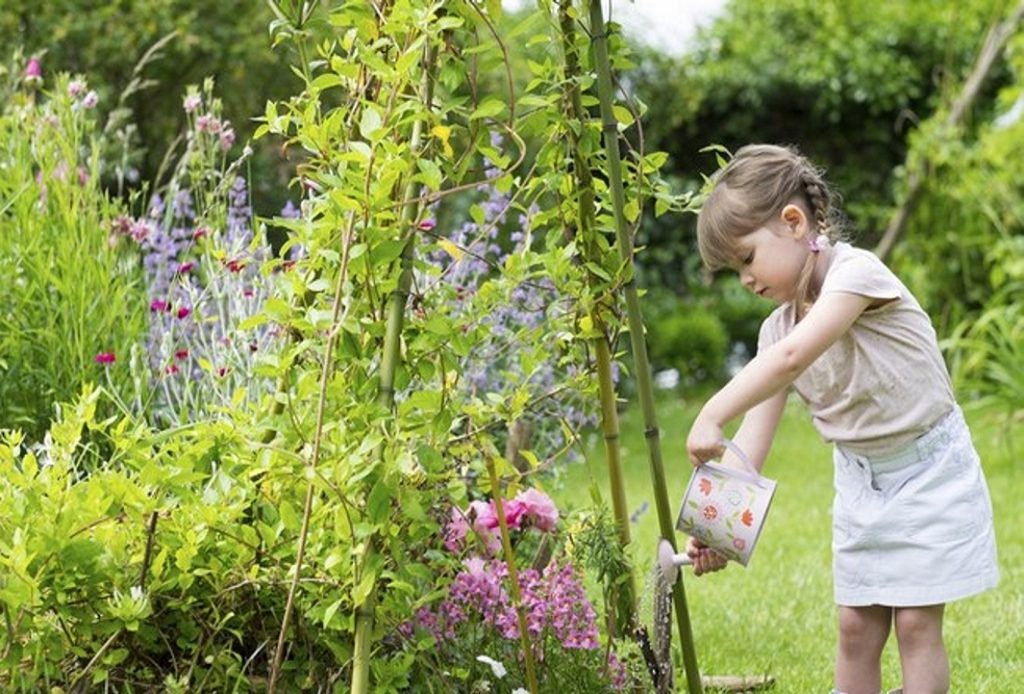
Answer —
171 370
181 354
33 74
456 530
183 312
199 233
203 122
222 371
539 508
140 231
90 100
157 305
76 88
192 102
426 225
235 265
185 267
514 512
227 138
105 358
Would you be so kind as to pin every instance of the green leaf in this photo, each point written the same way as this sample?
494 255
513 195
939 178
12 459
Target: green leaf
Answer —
370 124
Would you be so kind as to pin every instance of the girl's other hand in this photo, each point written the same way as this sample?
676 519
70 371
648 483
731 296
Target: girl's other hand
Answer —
705 442
705 559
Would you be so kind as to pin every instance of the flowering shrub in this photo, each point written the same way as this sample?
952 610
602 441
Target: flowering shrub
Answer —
203 275
476 624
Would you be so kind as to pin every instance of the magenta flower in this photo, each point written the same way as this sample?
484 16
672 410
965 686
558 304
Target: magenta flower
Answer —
539 508
426 225
184 312
185 267
157 305
105 358
181 354
33 74
199 233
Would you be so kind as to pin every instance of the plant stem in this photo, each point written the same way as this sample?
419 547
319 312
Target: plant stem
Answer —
513 577
626 601
642 368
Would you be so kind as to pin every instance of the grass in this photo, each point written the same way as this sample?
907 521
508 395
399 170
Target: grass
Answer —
777 616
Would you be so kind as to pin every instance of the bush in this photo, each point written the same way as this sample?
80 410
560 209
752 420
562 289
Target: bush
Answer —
691 340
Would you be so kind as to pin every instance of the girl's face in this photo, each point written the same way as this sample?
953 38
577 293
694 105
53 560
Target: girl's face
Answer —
772 257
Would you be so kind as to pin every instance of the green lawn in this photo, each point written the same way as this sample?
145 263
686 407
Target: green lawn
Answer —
777 615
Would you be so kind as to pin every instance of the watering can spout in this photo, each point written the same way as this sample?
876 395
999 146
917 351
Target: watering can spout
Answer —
669 560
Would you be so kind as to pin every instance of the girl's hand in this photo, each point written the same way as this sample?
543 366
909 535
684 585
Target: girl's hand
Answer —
705 559
705 442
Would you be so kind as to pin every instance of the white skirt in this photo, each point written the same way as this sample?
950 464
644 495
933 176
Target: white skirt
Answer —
914 528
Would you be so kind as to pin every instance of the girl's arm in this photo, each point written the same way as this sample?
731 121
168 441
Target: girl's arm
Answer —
755 435
773 370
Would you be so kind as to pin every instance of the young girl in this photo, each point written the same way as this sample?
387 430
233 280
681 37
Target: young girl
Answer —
912 521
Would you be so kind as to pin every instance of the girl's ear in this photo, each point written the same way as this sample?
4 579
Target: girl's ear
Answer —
795 220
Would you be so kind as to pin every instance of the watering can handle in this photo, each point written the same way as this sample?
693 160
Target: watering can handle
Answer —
735 450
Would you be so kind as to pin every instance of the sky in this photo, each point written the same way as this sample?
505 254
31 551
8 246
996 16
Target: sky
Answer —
664 24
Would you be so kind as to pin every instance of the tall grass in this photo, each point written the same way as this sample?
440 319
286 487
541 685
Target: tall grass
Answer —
777 615
66 295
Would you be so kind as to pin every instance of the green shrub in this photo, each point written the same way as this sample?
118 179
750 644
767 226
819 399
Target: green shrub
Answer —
690 339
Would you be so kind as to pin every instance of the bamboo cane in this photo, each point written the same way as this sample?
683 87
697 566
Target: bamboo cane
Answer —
364 612
626 602
642 369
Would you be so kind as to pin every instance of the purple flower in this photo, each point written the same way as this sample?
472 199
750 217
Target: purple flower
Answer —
90 100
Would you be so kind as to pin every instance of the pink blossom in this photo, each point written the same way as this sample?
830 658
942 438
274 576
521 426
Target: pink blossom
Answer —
183 312
192 102
455 530
33 74
159 305
105 358
181 354
199 233
227 138
90 100
83 176
140 230
76 88
185 267
539 508
426 225
171 370
514 512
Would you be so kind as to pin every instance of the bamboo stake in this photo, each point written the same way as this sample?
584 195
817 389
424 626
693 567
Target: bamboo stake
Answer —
364 613
626 602
642 368
995 41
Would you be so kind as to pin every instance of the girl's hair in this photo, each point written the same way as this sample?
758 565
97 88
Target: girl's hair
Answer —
750 191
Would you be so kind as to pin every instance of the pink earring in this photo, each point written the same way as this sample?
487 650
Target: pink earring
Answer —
817 243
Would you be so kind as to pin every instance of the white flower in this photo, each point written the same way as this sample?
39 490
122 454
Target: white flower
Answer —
497 668
519 690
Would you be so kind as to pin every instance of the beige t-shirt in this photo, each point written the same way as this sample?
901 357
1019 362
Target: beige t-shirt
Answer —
881 384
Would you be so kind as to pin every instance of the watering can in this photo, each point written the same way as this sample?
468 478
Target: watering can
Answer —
724 508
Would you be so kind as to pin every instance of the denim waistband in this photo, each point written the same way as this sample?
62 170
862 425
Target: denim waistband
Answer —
939 436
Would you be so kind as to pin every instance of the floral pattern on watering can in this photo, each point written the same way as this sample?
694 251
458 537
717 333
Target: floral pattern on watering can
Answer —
725 509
